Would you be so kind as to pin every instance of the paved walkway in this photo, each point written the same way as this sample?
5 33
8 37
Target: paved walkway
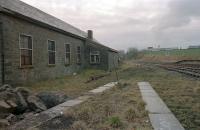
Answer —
39 119
160 116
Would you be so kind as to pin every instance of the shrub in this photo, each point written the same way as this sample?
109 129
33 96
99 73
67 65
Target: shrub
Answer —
115 122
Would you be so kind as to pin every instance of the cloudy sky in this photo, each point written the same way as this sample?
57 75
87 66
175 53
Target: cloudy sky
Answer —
121 24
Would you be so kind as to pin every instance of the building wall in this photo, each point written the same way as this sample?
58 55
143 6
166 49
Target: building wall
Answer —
40 71
113 60
0 52
103 56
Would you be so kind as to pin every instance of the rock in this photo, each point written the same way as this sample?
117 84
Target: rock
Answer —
35 103
22 104
11 118
51 99
16 101
11 103
4 123
4 107
28 114
5 87
24 92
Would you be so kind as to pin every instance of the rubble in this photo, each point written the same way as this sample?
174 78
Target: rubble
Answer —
4 123
19 103
36 104
52 99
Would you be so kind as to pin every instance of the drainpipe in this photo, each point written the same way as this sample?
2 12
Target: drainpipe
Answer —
2 54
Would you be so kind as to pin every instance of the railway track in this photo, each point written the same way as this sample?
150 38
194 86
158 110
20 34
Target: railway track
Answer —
188 67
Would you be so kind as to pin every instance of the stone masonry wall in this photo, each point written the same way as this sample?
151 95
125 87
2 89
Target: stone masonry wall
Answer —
13 27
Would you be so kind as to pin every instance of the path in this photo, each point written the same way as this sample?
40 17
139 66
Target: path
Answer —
160 116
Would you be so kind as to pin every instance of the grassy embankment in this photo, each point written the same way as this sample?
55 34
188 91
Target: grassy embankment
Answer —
172 55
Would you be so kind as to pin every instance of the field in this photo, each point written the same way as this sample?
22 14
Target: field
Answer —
172 55
122 107
119 108
179 92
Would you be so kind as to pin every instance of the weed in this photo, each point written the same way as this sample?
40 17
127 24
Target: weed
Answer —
130 115
115 122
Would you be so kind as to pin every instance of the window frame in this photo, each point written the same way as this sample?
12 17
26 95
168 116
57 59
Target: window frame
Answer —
51 51
77 55
95 55
20 49
67 53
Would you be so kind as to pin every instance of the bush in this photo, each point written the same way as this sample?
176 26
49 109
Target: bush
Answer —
115 122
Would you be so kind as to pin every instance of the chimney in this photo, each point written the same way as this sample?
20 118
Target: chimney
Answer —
90 34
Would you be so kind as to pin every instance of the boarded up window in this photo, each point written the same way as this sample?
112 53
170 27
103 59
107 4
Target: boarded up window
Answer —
52 52
67 54
78 55
26 50
94 57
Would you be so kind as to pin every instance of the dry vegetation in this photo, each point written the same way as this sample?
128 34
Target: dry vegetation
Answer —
73 85
181 93
121 108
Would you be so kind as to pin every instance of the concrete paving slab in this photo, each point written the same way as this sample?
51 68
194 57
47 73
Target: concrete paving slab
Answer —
148 91
145 88
156 105
112 84
149 94
160 115
84 98
143 84
165 122
71 103
98 90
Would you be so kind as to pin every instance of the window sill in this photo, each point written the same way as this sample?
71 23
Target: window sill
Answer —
26 67
51 65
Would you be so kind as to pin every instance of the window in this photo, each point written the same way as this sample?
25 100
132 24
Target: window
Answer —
94 57
26 50
67 54
78 55
52 52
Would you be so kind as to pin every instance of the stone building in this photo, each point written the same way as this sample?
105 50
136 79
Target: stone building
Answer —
36 46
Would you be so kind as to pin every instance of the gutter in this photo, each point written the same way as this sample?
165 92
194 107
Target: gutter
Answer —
2 54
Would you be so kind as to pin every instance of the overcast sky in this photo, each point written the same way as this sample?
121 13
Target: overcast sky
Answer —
121 24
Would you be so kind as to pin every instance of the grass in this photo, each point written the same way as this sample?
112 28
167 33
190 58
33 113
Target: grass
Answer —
73 85
180 93
172 55
122 107
108 111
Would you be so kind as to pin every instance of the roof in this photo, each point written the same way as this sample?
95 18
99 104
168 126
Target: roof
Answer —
34 13
31 12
